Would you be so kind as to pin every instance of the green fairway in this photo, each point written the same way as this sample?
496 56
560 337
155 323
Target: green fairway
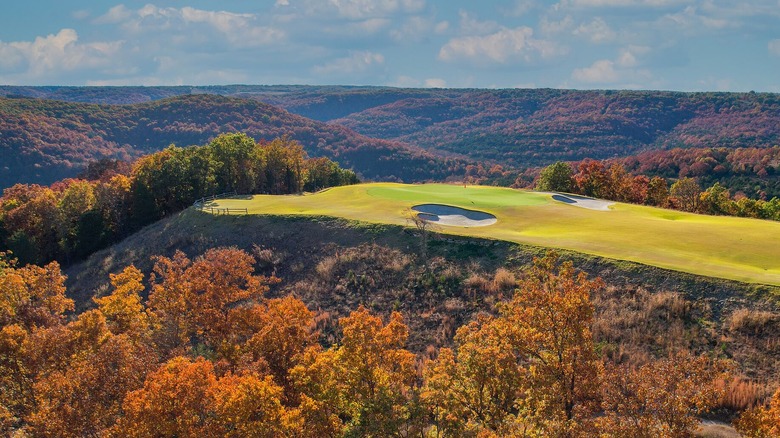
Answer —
716 246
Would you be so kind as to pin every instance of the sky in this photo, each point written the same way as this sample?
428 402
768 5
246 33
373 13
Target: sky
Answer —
687 45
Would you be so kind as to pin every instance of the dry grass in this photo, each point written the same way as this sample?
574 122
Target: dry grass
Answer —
716 430
755 322
504 282
634 325
740 393
667 306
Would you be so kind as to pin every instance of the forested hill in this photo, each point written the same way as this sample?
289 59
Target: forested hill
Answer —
42 141
512 127
533 127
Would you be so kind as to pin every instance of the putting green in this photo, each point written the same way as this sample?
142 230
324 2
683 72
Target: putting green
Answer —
716 246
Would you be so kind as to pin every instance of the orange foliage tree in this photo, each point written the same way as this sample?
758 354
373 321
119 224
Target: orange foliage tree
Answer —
187 399
32 299
761 421
532 369
205 299
85 399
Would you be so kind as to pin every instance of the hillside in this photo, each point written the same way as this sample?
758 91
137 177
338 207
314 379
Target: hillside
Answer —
512 127
42 141
335 265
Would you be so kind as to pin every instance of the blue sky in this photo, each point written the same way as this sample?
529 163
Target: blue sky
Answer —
690 45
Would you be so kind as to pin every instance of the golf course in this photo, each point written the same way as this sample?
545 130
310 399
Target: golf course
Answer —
716 246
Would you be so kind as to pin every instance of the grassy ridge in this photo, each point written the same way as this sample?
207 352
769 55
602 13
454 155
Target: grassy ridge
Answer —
724 247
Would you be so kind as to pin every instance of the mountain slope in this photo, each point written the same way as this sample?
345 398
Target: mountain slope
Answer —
43 140
336 265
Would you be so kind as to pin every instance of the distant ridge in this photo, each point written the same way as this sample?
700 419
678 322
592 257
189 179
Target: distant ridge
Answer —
42 141
512 127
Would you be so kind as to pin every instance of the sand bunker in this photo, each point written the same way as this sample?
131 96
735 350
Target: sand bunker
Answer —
583 201
454 216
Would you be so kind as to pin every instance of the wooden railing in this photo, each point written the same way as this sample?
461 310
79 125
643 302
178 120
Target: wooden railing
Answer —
201 204
227 211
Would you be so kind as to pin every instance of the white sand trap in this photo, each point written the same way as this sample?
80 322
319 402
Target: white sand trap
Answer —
454 216
582 201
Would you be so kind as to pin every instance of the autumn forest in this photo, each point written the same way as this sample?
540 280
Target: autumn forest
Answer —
129 309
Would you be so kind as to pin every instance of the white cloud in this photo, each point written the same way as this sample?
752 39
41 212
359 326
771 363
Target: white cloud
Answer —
628 56
774 47
691 20
413 29
597 31
188 24
435 83
356 62
417 28
56 53
631 3
117 14
548 27
624 71
504 46
371 26
520 8
470 25
600 72
358 9
80 14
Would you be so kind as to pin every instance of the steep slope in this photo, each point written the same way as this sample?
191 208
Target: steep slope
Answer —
42 140
336 265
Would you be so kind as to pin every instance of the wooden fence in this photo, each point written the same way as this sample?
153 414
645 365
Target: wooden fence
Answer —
215 210
201 204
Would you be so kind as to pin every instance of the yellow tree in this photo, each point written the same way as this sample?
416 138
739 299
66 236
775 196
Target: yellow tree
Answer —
367 381
548 322
205 299
33 296
477 390
16 395
761 421
170 304
220 280
187 399
122 308
250 405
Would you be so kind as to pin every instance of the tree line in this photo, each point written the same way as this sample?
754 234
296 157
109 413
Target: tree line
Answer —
73 218
207 354
612 181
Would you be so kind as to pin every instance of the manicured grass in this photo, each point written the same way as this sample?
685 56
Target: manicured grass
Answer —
724 247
